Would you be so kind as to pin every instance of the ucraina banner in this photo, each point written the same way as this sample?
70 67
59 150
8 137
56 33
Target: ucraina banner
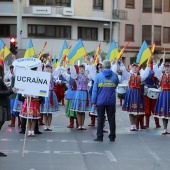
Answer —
31 82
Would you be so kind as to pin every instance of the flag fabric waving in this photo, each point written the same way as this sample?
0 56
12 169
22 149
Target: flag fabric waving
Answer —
152 51
54 62
63 51
144 53
112 52
30 50
4 50
122 51
77 52
42 50
96 57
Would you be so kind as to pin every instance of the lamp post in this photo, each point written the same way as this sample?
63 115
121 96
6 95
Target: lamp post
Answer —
111 16
19 25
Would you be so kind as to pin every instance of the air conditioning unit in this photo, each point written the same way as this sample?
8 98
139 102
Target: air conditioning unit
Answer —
68 11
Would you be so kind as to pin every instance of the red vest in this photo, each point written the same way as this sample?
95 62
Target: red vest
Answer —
134 81
165 82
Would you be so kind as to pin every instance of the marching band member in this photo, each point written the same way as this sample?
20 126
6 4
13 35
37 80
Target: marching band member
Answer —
80 102
50 105
151 81
12 97
34 111
162 108
133 103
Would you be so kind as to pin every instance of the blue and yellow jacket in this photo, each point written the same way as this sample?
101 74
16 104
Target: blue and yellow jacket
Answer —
104 87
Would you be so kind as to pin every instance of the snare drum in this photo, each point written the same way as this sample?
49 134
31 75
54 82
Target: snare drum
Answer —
153 93
145 90
122 88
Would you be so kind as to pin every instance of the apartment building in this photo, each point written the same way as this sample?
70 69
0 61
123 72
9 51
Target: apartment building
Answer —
93 21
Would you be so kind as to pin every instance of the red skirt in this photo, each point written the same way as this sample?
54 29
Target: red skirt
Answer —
59 91
149 105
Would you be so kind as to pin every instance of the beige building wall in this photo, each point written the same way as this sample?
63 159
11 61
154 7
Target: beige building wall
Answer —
83 8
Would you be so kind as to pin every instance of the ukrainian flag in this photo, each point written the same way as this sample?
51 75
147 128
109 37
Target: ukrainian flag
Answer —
64 51
5 49
113 52
42 92
144 53
54 62
77 52
30 50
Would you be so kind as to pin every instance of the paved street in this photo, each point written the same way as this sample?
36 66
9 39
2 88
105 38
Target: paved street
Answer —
70 149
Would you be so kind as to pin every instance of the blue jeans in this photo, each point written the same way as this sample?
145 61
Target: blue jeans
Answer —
110 110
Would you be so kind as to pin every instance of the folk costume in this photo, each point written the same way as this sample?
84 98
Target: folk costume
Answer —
14 112
50 105
81 100
162 108
152 81
134 102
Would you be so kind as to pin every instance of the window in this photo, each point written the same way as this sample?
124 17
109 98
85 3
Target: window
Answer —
63 3
98 4
66 3
6 0
106 35
147 5
63 32
130 4
86 33
7 30
51 31
129 32
166 35
147 33
158 6
157 35
166 6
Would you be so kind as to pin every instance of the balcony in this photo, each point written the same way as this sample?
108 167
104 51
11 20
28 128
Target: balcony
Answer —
119 14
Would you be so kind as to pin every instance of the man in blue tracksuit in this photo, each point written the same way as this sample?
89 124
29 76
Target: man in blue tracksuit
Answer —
104 98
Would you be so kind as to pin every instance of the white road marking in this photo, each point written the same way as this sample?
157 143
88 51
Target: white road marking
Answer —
110 156
66 152
10 151
149 150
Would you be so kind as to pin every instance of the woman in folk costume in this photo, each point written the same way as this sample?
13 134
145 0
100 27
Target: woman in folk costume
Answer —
152 81
14 113
50 105
162 108
80 102
34 111
133 102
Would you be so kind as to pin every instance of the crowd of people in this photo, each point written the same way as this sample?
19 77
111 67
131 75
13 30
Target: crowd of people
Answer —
90 89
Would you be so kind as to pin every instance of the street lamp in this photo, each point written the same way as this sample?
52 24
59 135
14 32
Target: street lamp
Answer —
111 16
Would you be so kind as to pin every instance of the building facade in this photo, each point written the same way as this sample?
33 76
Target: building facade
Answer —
91 20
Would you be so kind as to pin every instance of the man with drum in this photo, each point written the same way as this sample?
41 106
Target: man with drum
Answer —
151 84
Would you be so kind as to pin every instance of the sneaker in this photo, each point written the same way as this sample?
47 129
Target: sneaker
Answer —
79 128
164 132
83 128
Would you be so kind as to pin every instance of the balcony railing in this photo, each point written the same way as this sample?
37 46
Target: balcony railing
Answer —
119 14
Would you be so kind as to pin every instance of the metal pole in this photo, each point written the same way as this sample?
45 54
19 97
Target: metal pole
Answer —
19 25
111 16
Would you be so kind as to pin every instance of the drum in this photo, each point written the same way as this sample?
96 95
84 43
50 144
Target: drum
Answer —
122 88
153 93
145 90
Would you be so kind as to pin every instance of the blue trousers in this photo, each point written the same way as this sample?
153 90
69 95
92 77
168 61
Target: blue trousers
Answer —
110 110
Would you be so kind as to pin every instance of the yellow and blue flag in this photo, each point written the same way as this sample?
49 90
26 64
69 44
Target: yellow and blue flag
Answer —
112 52
63 51
30 50
54 62
4 49
144 53
77 52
